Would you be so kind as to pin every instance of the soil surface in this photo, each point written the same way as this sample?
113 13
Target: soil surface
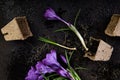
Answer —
16 57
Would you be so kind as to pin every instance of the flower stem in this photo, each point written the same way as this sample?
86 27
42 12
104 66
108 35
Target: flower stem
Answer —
73 74
63 21
73 28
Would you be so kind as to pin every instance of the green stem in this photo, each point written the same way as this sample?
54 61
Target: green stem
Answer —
73 28
73 74
76 17
70 55
54 43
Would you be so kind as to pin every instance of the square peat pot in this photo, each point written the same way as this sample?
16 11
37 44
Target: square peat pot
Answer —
113 28
102 50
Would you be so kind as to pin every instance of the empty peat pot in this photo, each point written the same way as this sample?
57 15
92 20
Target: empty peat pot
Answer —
113 28
99 51
17 29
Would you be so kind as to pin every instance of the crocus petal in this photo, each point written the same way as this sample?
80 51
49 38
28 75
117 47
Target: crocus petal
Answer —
32 75
51 59
50 14
63 59
42 69
63 72
40 77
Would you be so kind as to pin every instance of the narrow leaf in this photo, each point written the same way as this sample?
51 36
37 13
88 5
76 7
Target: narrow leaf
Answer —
54 43
76 17
62 29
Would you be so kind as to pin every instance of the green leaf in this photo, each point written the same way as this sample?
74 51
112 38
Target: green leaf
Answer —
71 53
54 43
68 63
62 29
47 41
76 17
73 28
74 75
46 78
77 68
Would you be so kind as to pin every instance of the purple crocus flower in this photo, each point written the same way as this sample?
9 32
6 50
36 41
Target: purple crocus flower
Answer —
38 72
47 65
51 15
51 61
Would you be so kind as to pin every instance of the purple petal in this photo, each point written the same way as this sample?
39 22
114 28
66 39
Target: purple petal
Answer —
63 72
42 69
32 75
63 59
40 77
51 59
50 14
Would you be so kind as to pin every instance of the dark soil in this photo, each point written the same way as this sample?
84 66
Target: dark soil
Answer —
16 57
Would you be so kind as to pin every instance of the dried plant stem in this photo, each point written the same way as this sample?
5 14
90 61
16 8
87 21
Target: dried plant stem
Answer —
66 47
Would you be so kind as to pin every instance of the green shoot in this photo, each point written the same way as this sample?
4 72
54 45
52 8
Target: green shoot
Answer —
77 68
62 29
54 43
73 28
74 75
45 77
68 63
71 53
76 17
